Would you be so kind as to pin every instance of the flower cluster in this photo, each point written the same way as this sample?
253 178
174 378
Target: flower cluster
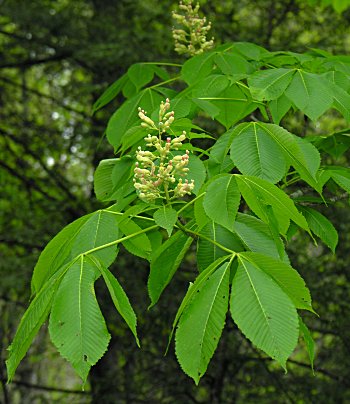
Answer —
192 39
158 173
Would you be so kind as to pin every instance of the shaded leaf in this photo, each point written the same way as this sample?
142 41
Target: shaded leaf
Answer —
164 263
221 200
201 324
321 226
77 327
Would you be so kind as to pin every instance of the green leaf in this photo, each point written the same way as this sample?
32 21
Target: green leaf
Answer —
207 252
321 226
257 237
208 107
221 200
263 312
309 341
232 64
164 263
279 108
267 85
250 50
255 152
126 116
132 137
287 278
166 217
103 184
101 228
196 172
138 245
32 320
341 176
201 324
291 147
311 155
77 327
192 291
110 176
140 74
56 253
258 193
120 300
109 94
233 106
341 99
309 94
197 67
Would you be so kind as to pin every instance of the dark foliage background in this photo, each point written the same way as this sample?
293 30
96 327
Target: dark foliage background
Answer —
56 57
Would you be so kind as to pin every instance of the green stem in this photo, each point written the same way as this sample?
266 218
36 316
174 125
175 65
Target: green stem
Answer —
164 82
167 196
162 64
188 231
121 214
190 203
120 240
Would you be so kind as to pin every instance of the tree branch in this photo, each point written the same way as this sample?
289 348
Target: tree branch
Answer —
46 388
34 62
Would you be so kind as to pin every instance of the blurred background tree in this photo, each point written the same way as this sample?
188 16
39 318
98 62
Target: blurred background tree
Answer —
56 58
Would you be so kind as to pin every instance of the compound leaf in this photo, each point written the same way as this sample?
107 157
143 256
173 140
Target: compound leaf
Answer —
201 324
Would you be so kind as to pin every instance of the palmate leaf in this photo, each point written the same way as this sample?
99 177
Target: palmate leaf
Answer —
138 245
196 172
290 145
233 64
341 176
233 105
309 93
125 116
100 229
207 252
254 152
279 108
259 193
109 94
197 67
309 341
201 323
164 263
222 199
77 327
321 226
56 253
256 236
140 74
120 299
88 232
287 278
267 85
192 291
263 312
33 319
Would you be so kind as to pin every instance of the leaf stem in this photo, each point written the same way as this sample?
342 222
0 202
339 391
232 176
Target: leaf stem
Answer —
189 232
121 214
164 82
190 203
120 240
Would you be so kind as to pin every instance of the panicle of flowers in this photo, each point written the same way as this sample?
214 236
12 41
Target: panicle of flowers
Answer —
158 173
192 38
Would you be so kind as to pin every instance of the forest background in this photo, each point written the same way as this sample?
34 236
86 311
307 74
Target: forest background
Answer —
56 58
